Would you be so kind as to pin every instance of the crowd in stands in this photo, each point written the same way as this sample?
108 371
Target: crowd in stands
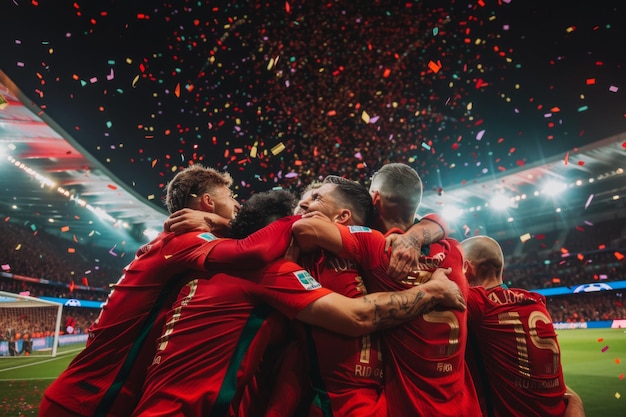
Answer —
27 251
589 253
26 327
605 305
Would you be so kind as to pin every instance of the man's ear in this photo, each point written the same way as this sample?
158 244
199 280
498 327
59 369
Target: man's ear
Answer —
206 203
343 217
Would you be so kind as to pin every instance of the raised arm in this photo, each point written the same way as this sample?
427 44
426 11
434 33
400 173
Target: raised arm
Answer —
187 219
317 232
382 310
406 248
258 249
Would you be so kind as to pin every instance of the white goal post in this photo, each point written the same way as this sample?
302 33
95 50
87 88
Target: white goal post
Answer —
28 325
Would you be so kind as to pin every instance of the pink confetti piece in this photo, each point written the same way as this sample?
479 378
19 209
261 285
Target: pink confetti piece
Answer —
613 89
111 75
588 201
6 267
604 349
480 134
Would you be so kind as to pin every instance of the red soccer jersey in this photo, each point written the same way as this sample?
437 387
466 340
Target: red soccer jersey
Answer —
514 353
346 372
106 377
215 336
425 369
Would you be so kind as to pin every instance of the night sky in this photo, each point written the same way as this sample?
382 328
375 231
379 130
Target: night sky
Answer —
282 93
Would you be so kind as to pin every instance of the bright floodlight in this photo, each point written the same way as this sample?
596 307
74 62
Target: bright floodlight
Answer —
500 202
553 187
451 213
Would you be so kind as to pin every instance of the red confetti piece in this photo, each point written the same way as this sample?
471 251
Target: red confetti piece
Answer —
604 349
112 187
434 67
619 256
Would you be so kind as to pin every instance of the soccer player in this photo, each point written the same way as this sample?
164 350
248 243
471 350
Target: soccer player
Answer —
344 373
425 369
219 328
106 377
513 352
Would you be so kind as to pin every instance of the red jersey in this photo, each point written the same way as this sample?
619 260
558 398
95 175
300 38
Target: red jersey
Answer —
215 336
346 372
425 369
514 353
107 376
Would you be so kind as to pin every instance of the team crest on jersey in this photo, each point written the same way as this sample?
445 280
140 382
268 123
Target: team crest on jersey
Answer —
359 229
207 236
307 281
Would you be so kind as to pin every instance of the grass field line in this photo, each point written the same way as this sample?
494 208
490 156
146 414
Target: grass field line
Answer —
59 356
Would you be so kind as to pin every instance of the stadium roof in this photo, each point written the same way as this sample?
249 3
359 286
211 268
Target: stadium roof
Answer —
49 182
86 202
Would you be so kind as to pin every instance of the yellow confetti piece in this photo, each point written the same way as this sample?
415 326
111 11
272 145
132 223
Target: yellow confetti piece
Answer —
135 80
151 197
365 117
18 247
617 395
525 237
253 152
167 256
278 149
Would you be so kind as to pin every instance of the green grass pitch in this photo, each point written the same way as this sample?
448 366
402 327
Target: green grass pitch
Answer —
594 363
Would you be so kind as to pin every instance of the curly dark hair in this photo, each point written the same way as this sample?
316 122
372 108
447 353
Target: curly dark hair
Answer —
260 210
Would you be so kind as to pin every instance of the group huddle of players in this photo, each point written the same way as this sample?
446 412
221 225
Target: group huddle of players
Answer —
339 304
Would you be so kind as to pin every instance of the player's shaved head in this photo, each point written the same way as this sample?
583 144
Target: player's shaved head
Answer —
485 255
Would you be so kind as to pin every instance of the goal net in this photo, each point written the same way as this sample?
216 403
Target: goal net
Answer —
28 326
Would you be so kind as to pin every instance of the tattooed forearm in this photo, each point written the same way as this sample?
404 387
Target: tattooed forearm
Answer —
395 308
428 239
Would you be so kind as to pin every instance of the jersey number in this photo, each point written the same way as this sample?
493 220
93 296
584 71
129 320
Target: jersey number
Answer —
513 318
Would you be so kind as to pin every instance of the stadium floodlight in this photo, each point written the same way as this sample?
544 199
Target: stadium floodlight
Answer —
553 187
451 213
500 202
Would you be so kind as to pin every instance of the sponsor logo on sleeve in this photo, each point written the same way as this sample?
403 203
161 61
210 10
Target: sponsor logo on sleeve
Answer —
207 236
360 229
307 281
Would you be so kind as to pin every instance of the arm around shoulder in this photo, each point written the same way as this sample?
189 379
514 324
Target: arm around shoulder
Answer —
382 310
